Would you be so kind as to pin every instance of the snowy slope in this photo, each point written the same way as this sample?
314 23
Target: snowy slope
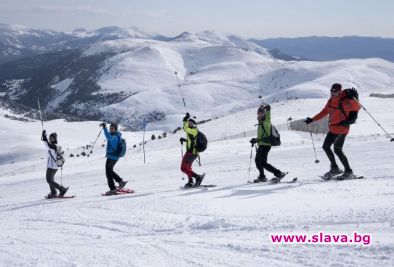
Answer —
161 225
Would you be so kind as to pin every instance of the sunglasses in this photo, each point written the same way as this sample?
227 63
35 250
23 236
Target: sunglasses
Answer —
334 91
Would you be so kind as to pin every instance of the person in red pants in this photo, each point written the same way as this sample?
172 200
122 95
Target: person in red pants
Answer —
190 127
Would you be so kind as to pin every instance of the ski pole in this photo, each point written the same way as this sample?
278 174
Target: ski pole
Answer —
91 150
313 143
387 134
39 109
250 160
180 90
61 176
183 175
143 141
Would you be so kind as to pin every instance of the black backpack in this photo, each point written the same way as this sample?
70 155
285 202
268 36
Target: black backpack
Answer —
201 142
274 138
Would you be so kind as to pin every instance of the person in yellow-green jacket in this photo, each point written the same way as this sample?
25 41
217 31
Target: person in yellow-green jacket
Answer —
264 144
190 127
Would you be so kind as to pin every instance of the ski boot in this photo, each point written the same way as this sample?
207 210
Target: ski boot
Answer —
332 172
278 177
260 179
52 195
348 174
122 184
111 193
199 179
189 184
63 191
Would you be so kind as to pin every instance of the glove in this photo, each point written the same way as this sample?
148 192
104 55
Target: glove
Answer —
186 117
308 120
344 123
44 133
253 141
182 140
103 124
351 93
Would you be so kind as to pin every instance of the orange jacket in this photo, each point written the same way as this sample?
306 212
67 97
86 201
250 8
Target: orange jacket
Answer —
336 115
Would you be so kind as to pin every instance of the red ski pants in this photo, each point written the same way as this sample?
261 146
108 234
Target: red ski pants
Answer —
187 163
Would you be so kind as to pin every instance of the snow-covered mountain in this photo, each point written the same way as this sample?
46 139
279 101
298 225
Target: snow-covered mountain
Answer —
17 41
130 77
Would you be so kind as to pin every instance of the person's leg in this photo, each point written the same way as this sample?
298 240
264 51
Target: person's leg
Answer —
186 166
115 176
330 139
338 145
109 166
266 165
259 160
50 176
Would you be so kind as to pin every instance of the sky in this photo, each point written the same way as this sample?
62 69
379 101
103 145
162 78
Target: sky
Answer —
246 18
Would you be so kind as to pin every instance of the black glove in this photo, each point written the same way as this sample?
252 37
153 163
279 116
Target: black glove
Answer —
103 124
351 93
186 117
344 123
253 141
308 120
44 136
182 140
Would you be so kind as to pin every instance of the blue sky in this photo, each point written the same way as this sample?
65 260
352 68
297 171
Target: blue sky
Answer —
247 18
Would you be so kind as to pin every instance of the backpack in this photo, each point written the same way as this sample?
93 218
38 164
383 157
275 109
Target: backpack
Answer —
201 142
60 160
274 138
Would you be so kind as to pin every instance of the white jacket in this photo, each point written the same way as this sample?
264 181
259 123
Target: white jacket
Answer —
52 155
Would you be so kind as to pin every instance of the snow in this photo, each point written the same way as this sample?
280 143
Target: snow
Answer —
229 225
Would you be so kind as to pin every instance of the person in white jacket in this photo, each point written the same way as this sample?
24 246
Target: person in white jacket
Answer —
52 165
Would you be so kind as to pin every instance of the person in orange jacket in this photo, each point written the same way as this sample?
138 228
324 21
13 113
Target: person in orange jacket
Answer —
342 109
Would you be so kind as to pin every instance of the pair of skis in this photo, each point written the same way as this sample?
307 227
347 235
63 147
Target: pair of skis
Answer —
276 180
120 191
337 178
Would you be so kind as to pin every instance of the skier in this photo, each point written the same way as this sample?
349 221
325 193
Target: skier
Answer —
190 127
113 138
342 109
264 144
54 155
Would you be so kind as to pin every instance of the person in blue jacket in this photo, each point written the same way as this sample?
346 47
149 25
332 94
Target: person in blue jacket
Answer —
113 138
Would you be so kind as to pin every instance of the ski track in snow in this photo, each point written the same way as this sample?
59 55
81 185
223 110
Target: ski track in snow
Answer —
229 225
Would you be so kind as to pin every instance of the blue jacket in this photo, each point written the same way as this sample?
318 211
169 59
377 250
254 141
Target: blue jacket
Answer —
112 144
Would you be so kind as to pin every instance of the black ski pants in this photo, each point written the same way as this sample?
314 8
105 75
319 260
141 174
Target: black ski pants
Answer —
51 181
111 175
338 140
261 161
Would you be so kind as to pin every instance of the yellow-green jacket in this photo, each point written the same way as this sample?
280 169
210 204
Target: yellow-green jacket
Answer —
264 135
191 134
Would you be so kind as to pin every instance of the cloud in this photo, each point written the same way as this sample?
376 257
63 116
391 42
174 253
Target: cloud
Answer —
161 14
85 10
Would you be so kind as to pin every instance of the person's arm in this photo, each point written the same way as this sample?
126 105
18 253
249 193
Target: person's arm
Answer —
351 107
106 133
321 114
267 123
